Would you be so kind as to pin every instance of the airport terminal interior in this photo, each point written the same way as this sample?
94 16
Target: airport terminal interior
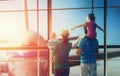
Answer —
26 25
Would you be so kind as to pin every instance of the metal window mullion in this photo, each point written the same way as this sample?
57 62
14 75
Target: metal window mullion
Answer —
105 39
26 14
92 6
38 42
49 13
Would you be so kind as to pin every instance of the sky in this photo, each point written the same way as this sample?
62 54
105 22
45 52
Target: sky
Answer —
60 18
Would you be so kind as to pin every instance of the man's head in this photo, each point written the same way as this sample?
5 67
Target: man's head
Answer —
65 33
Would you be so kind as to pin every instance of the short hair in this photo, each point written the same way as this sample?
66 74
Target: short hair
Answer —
65 32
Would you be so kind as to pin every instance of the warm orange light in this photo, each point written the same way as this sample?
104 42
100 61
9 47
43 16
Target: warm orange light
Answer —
11 29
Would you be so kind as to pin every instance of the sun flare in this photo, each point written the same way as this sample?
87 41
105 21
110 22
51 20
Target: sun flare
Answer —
10 30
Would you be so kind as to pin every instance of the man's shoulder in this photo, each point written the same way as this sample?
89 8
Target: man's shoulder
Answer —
86 39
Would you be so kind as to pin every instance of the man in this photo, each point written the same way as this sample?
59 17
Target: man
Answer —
87 50
61 55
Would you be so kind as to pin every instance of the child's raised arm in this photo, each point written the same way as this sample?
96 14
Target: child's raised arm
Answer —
80 25
100 28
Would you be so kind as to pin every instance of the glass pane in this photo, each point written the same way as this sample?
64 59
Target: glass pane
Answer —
43 4
113 66
32 4
24 62
71 3
68 19
113 2
33 21
11 25
113 26
11 5
98 3
100 68
99 16
42 23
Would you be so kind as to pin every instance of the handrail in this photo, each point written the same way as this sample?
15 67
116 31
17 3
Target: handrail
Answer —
24 48
110 46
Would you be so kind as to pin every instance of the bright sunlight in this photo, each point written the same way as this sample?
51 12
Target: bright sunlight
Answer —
11 28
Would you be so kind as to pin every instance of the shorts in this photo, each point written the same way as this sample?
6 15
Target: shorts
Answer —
88 70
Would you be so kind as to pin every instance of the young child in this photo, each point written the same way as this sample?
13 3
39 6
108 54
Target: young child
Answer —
52 41
89 28
51 44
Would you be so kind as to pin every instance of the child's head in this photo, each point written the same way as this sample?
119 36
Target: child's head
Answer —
91 17
53 35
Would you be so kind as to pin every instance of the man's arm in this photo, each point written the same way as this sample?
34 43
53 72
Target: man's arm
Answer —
78 51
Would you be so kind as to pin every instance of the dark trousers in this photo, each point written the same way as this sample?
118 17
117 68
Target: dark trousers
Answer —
61 72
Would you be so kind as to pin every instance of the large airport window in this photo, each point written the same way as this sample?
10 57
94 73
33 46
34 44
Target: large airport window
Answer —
71 3
25 26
